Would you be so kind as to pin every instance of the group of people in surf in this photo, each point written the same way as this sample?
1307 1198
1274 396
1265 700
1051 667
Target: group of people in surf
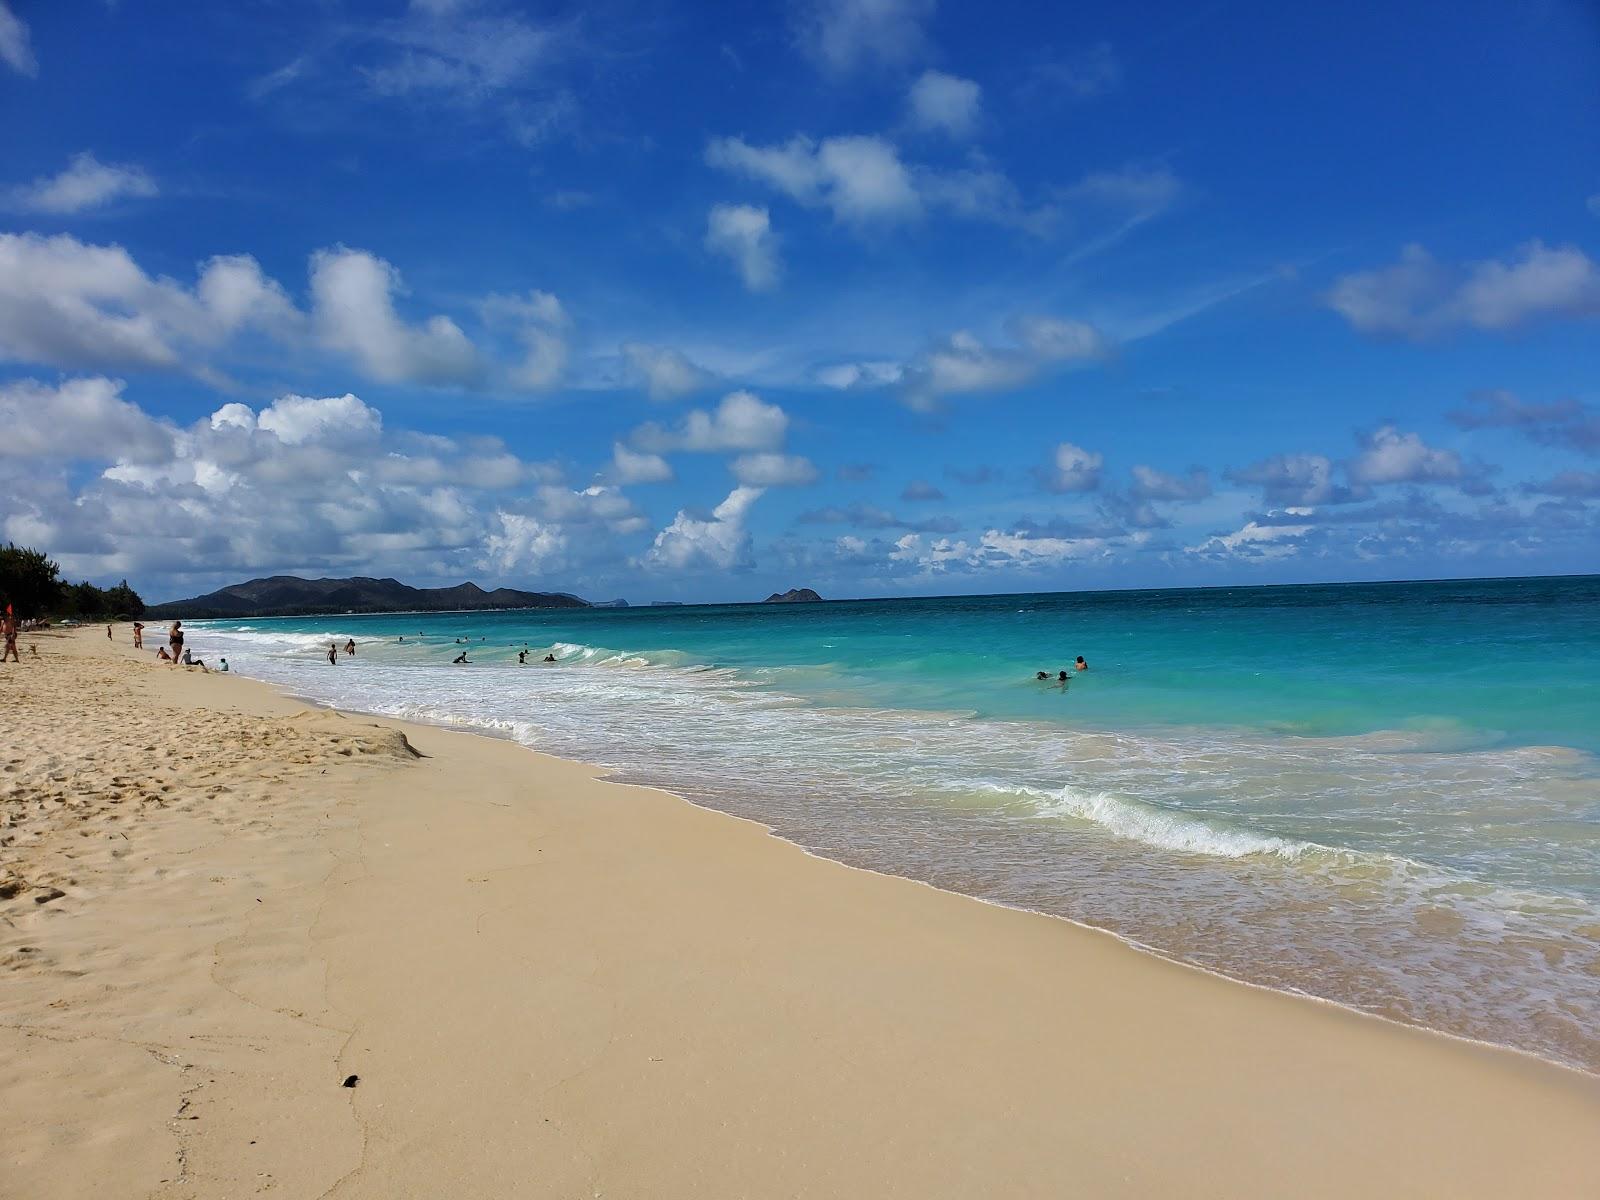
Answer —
459 660
1063 676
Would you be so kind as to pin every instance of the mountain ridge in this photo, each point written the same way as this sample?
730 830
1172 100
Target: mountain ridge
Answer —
291 595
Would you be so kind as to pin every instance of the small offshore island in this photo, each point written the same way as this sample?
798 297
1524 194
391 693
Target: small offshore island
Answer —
794 596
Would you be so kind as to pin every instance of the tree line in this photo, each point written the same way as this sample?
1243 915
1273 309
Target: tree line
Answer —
31 583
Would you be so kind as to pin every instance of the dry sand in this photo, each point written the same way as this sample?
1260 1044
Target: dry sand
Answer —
554 986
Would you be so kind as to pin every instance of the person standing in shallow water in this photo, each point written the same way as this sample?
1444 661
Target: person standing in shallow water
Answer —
333 653
350 647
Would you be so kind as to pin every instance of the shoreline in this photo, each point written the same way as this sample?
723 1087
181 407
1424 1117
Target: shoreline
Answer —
856 1040
727 803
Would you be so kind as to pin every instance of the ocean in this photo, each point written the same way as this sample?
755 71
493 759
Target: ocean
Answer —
1384 795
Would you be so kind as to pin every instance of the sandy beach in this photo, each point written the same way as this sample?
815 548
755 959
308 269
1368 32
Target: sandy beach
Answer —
220 905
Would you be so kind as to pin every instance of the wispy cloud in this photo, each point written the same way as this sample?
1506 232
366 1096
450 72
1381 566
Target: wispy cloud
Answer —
16 47
86 183
841 36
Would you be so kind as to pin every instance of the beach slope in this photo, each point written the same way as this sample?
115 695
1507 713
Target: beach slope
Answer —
221 905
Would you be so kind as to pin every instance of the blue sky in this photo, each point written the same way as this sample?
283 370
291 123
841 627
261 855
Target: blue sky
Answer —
877 296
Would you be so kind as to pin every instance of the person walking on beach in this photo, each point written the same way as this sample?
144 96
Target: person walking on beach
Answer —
138 635
108 633
350 647
175 641
333 654
9 626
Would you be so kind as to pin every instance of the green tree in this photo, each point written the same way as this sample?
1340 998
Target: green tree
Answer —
29 581
123 601
83 599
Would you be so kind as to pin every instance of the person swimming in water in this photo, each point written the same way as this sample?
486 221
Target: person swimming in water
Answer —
522 657
1062 678
1042 675
549 658
461 658
1080 665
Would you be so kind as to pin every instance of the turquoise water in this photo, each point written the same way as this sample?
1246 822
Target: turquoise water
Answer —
1387 795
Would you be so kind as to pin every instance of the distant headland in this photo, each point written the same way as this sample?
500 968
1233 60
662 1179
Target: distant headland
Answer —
289 595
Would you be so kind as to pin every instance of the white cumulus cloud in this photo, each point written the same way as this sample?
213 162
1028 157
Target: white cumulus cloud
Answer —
962 363
353 298
741 422
1073 469
541 325
860 179
1293 479
629 466
665 373
296 420
942 103
520 543
719 540
78 419
743 234
1389 455
1420 297
773 470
